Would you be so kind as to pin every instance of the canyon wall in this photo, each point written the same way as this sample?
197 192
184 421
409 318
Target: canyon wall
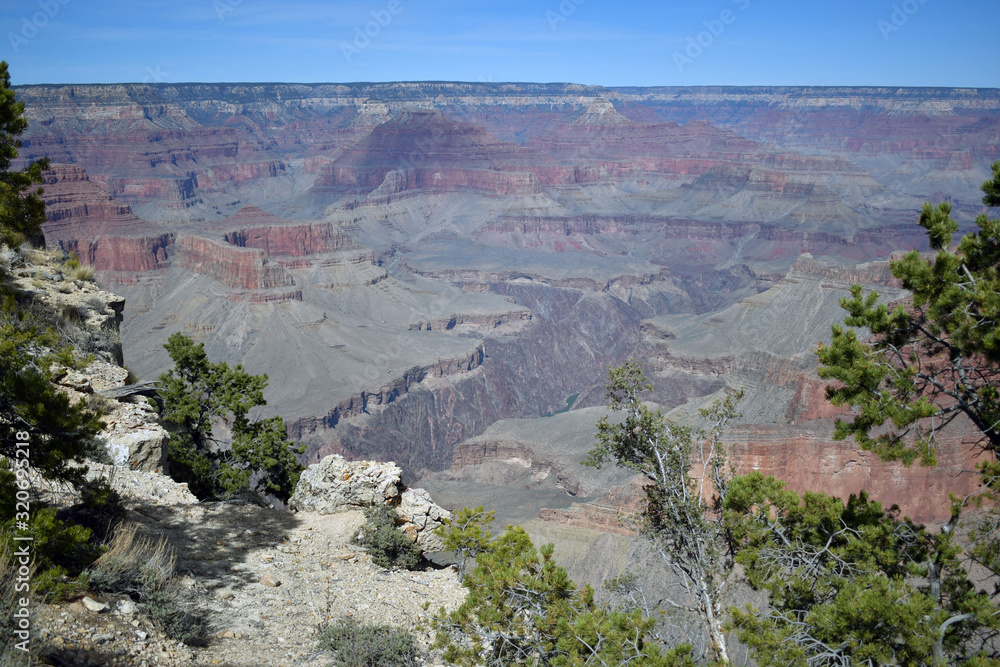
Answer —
412 263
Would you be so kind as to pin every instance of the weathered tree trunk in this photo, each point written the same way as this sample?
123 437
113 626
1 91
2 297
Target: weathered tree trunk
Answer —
715 634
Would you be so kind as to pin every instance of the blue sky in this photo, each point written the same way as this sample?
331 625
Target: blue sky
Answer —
603 42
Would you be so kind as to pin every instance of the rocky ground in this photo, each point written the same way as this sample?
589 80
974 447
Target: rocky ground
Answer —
264 582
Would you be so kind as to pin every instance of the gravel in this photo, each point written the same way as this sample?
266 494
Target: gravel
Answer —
265 581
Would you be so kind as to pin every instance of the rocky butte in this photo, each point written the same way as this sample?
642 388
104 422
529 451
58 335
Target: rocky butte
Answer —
439 274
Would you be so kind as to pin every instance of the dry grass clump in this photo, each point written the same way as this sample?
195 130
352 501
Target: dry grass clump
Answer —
34 256
81 272
102 405
133 565
74 269
73 314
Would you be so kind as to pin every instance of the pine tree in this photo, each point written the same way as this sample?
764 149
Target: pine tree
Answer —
931 359
199 396
22 210
851 583
523 609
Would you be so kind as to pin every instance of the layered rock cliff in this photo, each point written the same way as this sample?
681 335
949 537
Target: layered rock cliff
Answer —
411 263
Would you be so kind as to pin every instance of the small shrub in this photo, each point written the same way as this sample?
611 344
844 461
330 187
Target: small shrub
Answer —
176 623
133 565
61 549
55 584
355 645
94 341
33 256
100 405
95 302
15 239
385 542
143 569
62 545
100 509
78 272
73 314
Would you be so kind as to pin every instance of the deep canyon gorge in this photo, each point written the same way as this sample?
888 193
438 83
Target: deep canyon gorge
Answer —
440 274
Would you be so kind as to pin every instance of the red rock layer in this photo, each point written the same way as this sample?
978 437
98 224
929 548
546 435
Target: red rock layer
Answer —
808 460
242 268
77 208
123 253
104 233
294 241
590 516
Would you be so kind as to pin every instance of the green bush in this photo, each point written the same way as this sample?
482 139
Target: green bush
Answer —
355 645
100 509
61 550
61 433
174 621
385 542
64 542
523 609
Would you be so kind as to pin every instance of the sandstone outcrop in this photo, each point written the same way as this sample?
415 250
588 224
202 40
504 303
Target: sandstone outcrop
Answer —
336 485
134 438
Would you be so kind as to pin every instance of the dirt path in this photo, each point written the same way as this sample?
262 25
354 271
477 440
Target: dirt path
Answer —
263 580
